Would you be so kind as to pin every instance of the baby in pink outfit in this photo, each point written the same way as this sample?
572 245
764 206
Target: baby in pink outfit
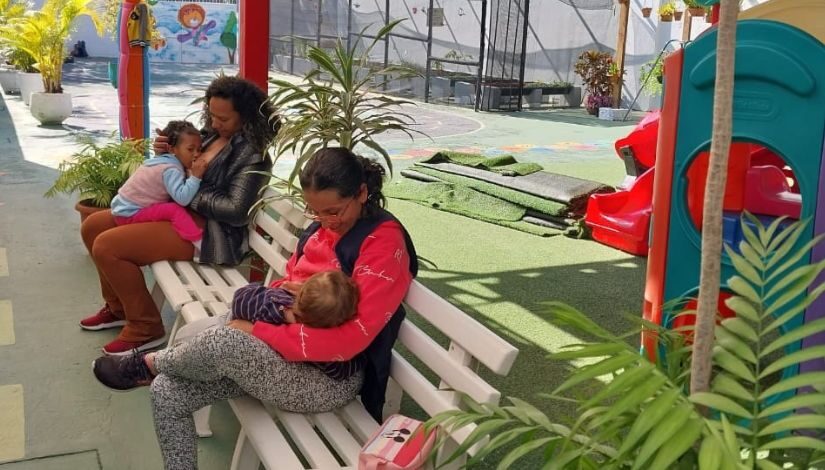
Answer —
160 189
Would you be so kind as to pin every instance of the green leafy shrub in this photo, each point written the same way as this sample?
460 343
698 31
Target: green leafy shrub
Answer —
644 417
96 172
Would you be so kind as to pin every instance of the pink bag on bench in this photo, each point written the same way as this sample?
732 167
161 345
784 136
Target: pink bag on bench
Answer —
399 444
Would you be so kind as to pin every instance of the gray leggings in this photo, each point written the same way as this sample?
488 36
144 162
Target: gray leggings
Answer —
221 363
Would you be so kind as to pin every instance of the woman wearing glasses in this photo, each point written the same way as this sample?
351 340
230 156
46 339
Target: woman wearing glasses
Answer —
293 366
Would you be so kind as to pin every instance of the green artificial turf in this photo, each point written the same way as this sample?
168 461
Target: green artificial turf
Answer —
502 164
465 201
545 206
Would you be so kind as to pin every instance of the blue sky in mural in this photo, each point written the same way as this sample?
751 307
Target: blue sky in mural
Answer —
200 40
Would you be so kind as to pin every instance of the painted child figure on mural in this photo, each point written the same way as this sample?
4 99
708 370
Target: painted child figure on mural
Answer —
145 197
192 17
325 300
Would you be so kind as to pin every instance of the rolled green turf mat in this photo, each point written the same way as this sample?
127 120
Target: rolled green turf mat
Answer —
506 165
573 192
528 201
467 202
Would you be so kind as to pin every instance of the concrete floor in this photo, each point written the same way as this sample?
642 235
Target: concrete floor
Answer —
53 415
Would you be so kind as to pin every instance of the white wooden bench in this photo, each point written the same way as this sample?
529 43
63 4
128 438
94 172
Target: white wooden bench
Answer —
286 440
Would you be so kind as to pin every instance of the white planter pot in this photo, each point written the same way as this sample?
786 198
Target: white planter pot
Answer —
29 83
8 81
51 108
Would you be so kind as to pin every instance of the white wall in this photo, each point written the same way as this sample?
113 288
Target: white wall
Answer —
96 46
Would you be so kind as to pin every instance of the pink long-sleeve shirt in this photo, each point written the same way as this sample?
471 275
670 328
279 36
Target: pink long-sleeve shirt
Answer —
382 273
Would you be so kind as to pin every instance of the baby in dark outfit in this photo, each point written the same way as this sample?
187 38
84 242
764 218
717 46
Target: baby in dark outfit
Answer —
326 299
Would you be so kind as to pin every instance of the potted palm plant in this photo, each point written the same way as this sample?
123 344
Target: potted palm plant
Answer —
43 34
339 110
9 10
96 172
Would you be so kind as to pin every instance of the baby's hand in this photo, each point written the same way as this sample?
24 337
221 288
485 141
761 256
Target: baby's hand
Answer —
198 168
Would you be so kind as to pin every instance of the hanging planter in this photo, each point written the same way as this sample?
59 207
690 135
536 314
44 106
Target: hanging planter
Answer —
646 11
695 9
696 12
677 15
666 12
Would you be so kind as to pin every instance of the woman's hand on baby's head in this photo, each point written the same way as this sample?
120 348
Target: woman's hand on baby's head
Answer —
198 167
161 143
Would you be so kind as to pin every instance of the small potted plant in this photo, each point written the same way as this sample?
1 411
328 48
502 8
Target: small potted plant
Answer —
695 9
97 172
594 69
666 12
677 15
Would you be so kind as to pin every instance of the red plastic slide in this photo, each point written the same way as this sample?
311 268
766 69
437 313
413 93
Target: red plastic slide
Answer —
622 219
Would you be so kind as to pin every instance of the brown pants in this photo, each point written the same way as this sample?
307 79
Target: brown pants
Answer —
118 253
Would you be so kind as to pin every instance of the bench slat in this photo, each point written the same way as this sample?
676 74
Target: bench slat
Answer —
217 308
432 400
268 252
193 311
439 361
492 351
280 234
285 208
193 281
216 281
338 435
358 420
309 443
263 433
233 277
176 293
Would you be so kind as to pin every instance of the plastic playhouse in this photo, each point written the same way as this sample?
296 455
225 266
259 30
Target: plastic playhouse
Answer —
776 167
763 183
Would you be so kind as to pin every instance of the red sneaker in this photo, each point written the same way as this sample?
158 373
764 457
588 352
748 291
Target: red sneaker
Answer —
124 348
102 320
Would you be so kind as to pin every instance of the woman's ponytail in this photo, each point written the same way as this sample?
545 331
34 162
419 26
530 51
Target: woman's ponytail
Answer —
374 179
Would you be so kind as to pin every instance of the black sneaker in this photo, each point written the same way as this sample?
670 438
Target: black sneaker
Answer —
122 373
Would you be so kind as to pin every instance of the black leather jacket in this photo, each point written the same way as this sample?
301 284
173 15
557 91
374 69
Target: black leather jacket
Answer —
228 190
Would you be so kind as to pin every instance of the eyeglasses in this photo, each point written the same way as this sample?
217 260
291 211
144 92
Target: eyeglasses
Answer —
310 214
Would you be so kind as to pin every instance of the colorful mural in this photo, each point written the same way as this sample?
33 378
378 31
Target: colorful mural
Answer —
199 33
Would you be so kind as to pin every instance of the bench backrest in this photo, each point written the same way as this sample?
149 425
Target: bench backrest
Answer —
274 231
453 363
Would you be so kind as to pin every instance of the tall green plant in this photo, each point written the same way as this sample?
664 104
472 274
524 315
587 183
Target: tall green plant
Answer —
338 111
10 11
43 35
644 417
